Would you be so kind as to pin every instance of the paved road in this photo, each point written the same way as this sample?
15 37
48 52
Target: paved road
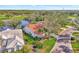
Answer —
62 46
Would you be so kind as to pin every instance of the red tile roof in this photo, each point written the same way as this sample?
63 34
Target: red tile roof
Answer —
36 27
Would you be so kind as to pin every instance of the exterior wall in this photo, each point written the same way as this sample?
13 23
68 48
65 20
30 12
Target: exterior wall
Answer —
9 50
28 31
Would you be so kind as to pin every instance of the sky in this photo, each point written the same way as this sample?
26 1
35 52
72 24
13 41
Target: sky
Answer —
39 7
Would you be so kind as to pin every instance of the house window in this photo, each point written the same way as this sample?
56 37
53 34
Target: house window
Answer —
17 47
4 42
10 49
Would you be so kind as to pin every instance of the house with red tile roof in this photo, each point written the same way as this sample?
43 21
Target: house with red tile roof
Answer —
32 29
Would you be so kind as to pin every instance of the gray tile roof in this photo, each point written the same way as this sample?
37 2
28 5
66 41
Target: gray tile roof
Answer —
11 37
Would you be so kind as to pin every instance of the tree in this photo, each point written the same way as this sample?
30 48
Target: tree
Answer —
1 23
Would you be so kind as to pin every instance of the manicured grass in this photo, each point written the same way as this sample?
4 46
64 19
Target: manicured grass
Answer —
49 44
75 46
29 39
75 43
20 17
4 17
75 33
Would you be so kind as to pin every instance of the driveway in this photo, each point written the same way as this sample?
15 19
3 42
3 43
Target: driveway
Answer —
62 46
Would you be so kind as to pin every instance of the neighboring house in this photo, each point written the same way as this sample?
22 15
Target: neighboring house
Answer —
7 21
24 23
6 28
32 29
11 40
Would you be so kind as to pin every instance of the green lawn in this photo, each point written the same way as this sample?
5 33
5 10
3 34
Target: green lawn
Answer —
20 17
29 39
75 46
75 42
49 44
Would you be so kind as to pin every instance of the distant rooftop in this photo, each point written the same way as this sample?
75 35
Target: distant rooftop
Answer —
6 28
